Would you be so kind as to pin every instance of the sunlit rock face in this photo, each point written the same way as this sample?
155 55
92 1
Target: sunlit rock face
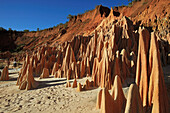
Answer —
115 56
26 78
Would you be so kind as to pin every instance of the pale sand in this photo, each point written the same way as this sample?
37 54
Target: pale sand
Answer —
52 96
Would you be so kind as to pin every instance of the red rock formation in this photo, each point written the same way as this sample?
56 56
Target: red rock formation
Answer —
68 84
74 83
116 67
68 74
27 82
86 85
112 46
104 70
22 72
68 60
81 52
99 97
118 95
79 87
99 49
133 63
55 68
108 84
82 68
88 72
58 74
107 103
5 74
47 64
157 95
94 72
134 103
141 69
125 63
39 69
45 73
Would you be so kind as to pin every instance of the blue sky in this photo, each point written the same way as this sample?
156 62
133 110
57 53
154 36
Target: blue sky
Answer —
33 14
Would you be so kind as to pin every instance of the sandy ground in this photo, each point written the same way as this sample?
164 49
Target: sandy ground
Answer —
52 96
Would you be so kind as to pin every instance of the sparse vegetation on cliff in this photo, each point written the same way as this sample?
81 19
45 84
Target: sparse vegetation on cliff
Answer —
2 29
70 16
26 30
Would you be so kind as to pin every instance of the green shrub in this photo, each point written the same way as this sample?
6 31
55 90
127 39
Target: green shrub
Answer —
70 16
33 31
26 30
9 29
2 29
38 29
130 4
144 3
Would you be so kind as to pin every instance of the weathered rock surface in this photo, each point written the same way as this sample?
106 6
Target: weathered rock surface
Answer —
118 95
134 103
68 60
99 98
79 87
107 103
4 74
157 96
68 84
45 73
74 85
113 54
26 81
142 65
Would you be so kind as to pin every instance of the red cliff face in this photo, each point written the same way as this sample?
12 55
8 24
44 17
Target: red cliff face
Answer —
147 9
